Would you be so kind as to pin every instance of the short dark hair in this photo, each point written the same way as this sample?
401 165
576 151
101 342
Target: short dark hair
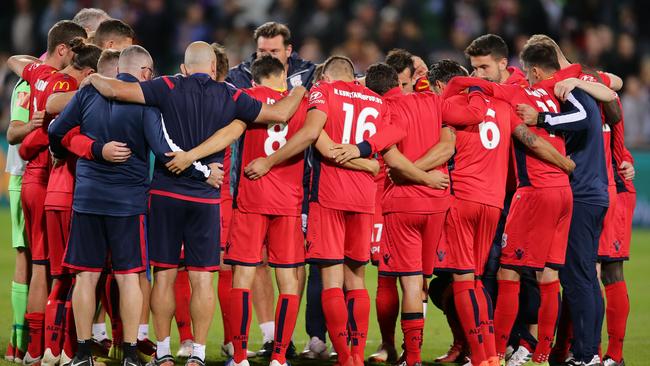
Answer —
400 60
86 55
265 66
63 32
339 62
444 70
381 77
541 55
488 44
273 29
112 28
222 59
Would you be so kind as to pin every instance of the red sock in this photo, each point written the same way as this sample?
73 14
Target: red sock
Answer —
505 313
358 303
449 309
487 319
336 321
55 316
618 309
241 312
412 328
182 294
35 322
69 330
468 313
286 313
549 311
387 304
224 285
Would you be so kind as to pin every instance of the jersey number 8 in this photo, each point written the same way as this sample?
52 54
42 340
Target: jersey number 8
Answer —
277 137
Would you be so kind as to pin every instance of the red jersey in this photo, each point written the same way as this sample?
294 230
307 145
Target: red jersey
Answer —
620 153
354 113
517 77
482 151
420 116
60 186
279 192
529 169
38 76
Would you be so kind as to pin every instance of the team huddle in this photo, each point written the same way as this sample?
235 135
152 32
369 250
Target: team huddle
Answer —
504 196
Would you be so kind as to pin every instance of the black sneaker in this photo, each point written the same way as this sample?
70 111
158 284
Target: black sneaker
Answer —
128 361
267 350
291 351
166 360
86 361
194 361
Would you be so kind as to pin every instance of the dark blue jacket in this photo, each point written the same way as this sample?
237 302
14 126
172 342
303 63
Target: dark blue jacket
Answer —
194 108
300 72
105 188
581 122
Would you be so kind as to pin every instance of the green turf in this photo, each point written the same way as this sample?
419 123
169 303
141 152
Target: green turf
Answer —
436 337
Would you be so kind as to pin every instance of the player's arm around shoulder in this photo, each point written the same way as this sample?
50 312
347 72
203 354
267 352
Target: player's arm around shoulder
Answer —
116 89
283 110
18 63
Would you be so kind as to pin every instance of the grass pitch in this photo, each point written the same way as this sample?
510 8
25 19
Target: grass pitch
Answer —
437 336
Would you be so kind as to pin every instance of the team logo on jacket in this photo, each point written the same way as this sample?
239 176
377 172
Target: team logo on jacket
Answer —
295 81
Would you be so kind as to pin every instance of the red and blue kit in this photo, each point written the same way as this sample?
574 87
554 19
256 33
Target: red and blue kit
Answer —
342 201
414 215
267 210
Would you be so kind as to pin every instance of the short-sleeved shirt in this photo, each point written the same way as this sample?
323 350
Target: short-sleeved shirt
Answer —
193 108
280 192
40 78
419 114
482 153
19 111
354 113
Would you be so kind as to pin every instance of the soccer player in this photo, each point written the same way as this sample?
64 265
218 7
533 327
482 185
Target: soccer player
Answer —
340 220
185 120
58 204
113 34
19 127
618 303
273 39
37 74
582 124
110 200
475 210
414 214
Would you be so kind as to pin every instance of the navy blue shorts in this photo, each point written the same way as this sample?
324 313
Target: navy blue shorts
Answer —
96 238
173 222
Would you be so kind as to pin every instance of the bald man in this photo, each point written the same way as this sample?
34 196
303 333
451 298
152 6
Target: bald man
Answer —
110 200
182 211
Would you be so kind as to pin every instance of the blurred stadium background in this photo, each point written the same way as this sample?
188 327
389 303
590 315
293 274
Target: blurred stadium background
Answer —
612 35
609 34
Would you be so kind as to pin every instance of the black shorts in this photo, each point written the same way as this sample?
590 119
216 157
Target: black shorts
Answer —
96 238
177 222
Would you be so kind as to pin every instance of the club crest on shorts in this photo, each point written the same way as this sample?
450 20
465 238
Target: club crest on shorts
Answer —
519 253
617 245
386 258
441 255
504 240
